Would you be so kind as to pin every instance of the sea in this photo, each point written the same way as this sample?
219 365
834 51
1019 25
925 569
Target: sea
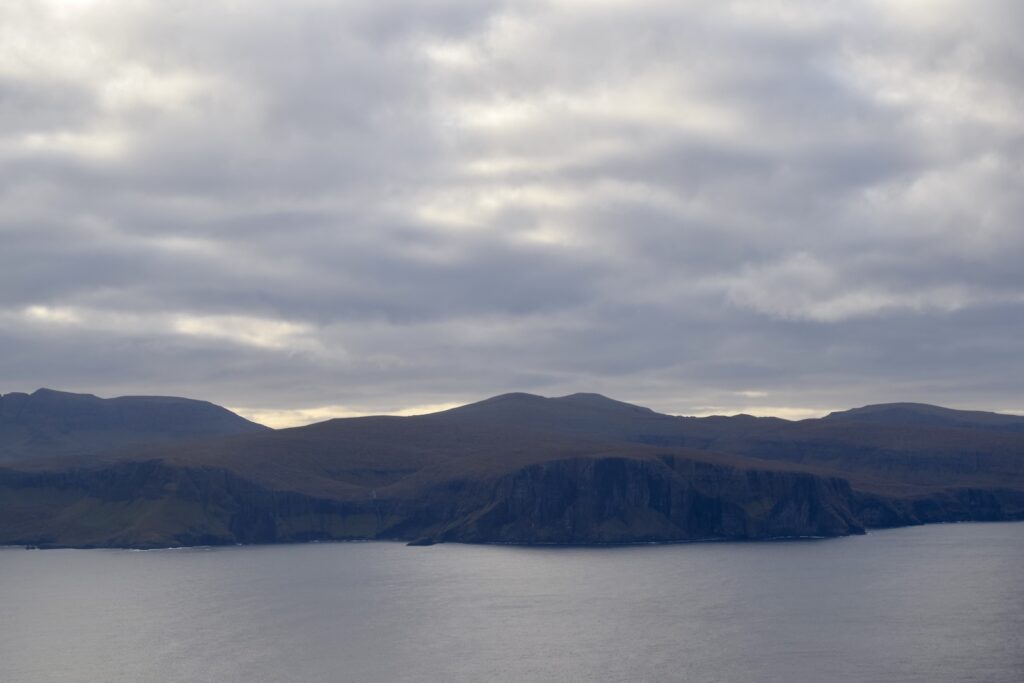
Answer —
923 604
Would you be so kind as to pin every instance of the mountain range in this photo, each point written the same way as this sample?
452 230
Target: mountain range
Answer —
76 470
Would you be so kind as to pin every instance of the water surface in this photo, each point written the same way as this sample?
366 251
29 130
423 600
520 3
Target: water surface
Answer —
935 603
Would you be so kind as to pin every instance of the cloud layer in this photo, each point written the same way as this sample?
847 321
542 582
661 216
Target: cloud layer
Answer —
703 206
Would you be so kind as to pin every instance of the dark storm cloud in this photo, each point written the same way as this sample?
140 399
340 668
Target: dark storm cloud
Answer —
770 206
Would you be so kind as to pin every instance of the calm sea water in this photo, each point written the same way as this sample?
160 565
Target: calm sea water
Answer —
935 603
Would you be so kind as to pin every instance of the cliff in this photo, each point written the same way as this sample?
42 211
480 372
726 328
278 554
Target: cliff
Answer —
572 501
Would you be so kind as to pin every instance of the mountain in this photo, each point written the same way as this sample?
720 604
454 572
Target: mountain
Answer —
521 468
924 414
48 423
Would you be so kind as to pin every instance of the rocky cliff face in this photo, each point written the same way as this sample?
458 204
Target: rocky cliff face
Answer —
572 501
950 505
144 504
626 500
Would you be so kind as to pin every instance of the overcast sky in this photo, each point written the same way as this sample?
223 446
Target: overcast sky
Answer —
305 209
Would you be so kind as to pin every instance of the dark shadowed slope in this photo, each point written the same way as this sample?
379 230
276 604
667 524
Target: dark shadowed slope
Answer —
47 423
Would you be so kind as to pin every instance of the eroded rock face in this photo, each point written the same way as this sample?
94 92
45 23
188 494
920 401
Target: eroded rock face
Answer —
573 501
626 500
582 500
952 505
144 504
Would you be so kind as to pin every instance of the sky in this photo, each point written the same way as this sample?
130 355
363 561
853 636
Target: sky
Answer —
310 209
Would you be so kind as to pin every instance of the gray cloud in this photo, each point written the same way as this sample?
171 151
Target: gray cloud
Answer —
777 207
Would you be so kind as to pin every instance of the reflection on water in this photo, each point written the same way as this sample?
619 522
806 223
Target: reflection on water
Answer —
936 603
